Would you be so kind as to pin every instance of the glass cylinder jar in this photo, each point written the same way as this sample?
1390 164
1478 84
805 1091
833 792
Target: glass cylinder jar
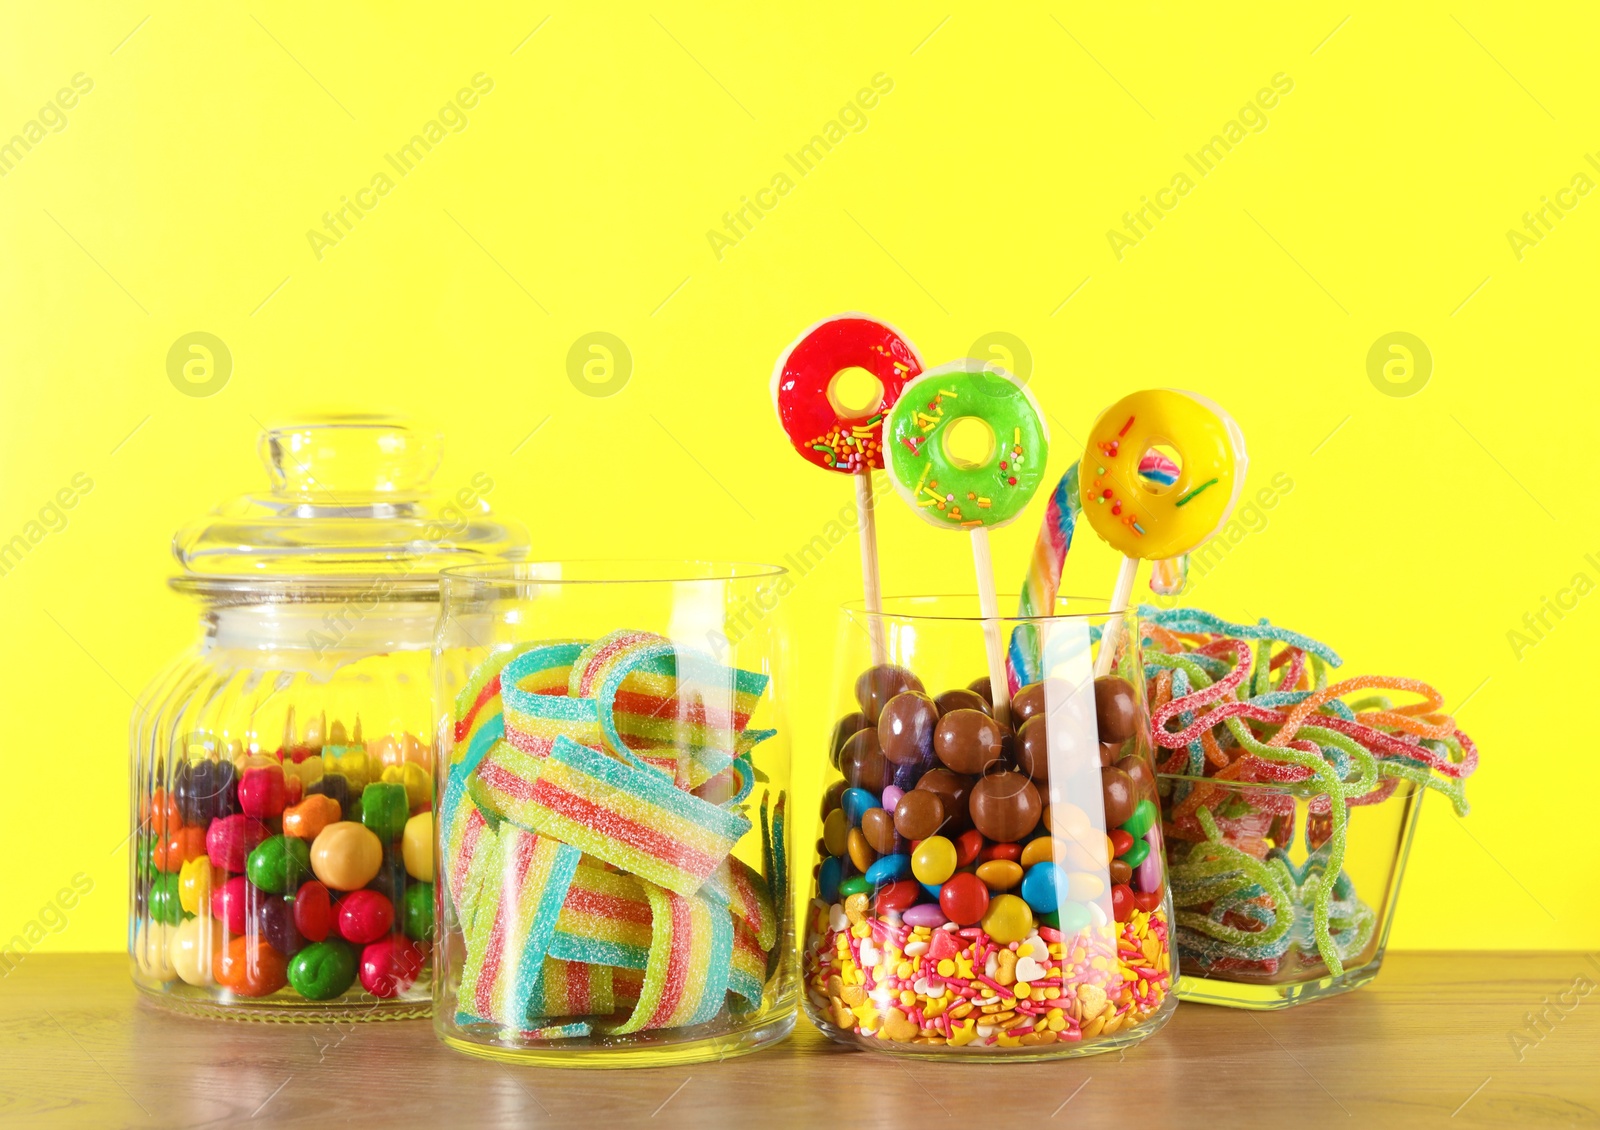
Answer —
282 769
1247 861
613 776
988 881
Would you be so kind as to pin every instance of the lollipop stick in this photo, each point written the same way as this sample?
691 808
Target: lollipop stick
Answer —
1119 603
989 605
868 525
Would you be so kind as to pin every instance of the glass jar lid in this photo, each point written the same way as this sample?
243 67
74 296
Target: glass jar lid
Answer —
351 506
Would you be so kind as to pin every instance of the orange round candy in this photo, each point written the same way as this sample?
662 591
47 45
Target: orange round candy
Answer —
306 820
346 856
251 969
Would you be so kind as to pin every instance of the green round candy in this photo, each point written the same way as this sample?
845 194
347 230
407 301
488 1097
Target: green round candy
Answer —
279 864
1142 820
417 912
385 809
164 904
855 885
1071 917
1136 854
323 970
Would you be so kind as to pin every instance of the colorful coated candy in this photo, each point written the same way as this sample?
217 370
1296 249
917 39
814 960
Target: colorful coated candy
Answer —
1008 919
323 970
385 810
934 860
417 912
964 899
307 819
416 846
391 966
279 864
346 856
364 916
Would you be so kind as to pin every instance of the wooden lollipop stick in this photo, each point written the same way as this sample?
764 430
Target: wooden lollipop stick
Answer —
868 525
1112 636
989 605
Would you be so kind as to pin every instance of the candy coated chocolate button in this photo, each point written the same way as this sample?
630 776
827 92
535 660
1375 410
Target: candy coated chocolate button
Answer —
964 899
843 730
1116 788
878 827
953 789
1033 751
968 845
1116 708
1142 820
897 897
855 803
934 860
1008 919
1000 874
1120 871
834 797
905 728
863 763
877 685
1121 902
835 827
861 853
1005 806
918 814
968 741
962 699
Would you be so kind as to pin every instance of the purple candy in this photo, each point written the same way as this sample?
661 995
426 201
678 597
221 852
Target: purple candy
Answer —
926 914
1150 870
891 797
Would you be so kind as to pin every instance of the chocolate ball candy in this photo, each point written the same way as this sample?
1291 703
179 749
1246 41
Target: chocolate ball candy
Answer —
968 741
843 730
1027 702
953 789
962 699
1116 708
1116 788
877 685
1120 871
1144 778
905 727
1109 752
1005 806
980 687
878 827
1033 751
919 814
863 763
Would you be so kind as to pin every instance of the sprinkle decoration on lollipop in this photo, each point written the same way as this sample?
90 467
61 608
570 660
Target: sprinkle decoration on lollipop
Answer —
836 436
1147 506
962 492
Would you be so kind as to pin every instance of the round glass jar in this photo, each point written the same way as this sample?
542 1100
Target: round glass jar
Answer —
988 883
282 772
613 774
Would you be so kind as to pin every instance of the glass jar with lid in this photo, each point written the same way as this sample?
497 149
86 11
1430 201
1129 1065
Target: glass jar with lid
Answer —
282 767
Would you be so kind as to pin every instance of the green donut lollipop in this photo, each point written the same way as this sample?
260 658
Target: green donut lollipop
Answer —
952 490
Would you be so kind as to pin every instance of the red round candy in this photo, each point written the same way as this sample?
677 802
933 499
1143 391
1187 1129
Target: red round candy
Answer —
313 911
1121 842
231 839
1013 852
1122 901
968 845
390 966
262 793
801 387
963 898
898 896
365 916
227 904
1147 901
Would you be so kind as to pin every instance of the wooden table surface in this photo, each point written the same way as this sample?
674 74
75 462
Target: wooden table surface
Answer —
1431 1041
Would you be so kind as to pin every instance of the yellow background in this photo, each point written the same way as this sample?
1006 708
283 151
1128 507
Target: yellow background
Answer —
1419 529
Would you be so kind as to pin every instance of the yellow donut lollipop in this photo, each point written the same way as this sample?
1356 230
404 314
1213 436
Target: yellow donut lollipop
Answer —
1142 516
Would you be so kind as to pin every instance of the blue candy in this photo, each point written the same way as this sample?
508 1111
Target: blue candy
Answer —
1044 887
828 879
889 869
855 803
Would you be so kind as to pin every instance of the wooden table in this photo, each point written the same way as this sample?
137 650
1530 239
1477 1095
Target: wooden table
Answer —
1430 1042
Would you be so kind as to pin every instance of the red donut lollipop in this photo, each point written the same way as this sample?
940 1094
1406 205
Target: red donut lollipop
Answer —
822 429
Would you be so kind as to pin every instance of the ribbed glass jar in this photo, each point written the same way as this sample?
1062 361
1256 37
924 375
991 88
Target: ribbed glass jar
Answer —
282 769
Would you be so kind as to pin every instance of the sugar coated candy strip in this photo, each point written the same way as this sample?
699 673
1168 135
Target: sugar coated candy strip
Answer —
691 951
749 973
625 815
572 988
538 707
605 919
744 892
510 933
